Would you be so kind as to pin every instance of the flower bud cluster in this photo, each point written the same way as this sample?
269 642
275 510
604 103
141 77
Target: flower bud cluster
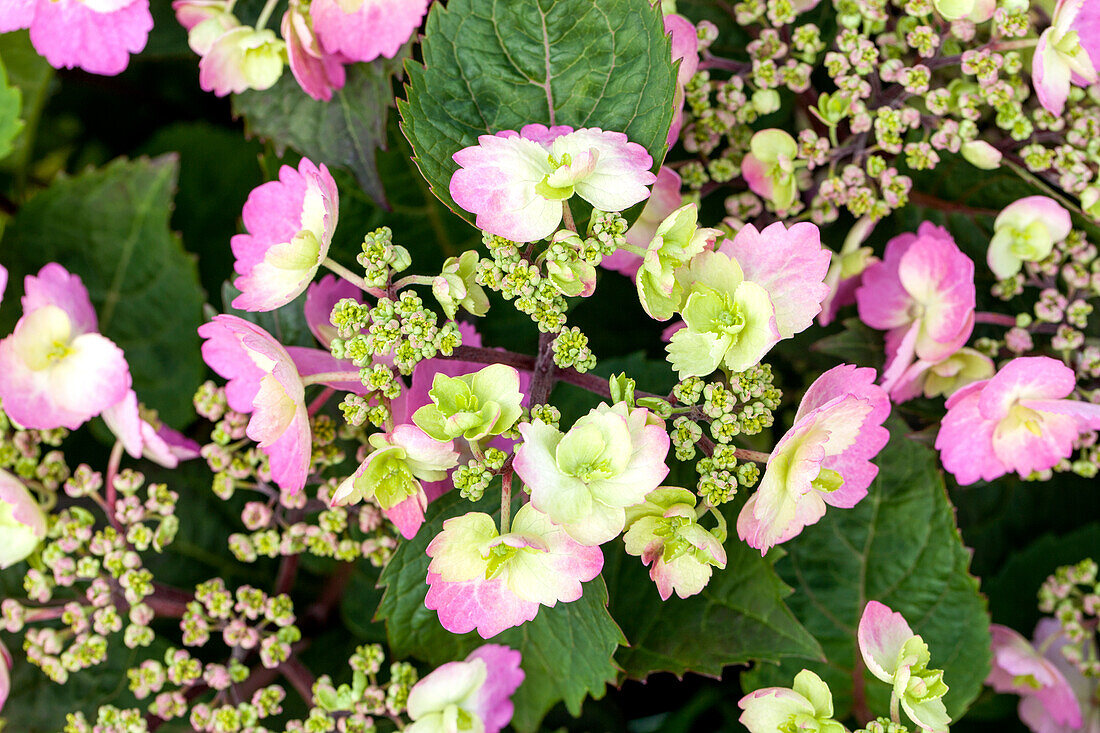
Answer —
1072 596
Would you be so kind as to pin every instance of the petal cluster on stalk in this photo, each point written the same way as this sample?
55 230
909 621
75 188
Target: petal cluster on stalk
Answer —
1021 420
808 706
1026 231
56 369
515 182
95 35
585 479
472 695
1068 52
480 579
823 460
290 224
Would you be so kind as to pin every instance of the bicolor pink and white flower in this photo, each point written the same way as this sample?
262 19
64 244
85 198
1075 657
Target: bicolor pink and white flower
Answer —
1021 420
900 658
807 706
266 380
95 35
790 264
363 30
480 579
846 271
290 224
944 377
392 473
204 21
823 460
922 294
585 479
685 49
1026 231
664 199
56 370
515 182
144 436
1068 52
478 689
317 71
242 58
22 523
1047 700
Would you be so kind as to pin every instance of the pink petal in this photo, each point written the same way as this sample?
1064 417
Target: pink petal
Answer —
377 28
881 635
70 34
495 706
1029 377
965 440
54 285
485 605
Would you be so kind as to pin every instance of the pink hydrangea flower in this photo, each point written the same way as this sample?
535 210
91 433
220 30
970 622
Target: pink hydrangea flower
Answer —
318 72
205 21
5 674
1068 52
22 523
685 49
900 658
144 436
240 59
480 579
944 377
56 370
363 30
3 282
823 460
290 223
664 199
321 297
790 264
480 687
922 294
1048 701
1020 420
846 271
265 379
95 35
515 182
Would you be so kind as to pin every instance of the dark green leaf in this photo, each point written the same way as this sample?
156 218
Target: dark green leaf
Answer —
31 75
566 650
110 227
345 132
898 546
492 65
11 104
855 344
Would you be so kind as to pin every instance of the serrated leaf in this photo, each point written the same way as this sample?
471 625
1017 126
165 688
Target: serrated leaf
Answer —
898 546
11 105
856 343
566 650
492 65
739 617
110 227
346 132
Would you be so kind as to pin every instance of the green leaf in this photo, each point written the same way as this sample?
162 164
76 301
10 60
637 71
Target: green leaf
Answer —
566 650
110 227
493 65
898 546
345 132
11 104
856 343
31 75
739 617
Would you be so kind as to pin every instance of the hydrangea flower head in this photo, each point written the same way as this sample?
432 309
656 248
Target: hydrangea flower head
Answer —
318 72
56 370
1019 420
471 695
481 579
730 320
1068 52
675 241
515 182
808 706
1020 668
665 533
976 11
1026 231
898 657
22 523
457 287
290 224
585 478
392 472
922 293
769 168
473 406
664 199
264 381
363 30
944 377
790 264
95 35
823 460
242 58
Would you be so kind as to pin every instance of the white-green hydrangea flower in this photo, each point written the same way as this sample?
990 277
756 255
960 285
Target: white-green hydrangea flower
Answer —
472 406
677 239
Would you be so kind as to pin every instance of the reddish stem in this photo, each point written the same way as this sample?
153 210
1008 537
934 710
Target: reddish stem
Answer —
320 400
996 319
